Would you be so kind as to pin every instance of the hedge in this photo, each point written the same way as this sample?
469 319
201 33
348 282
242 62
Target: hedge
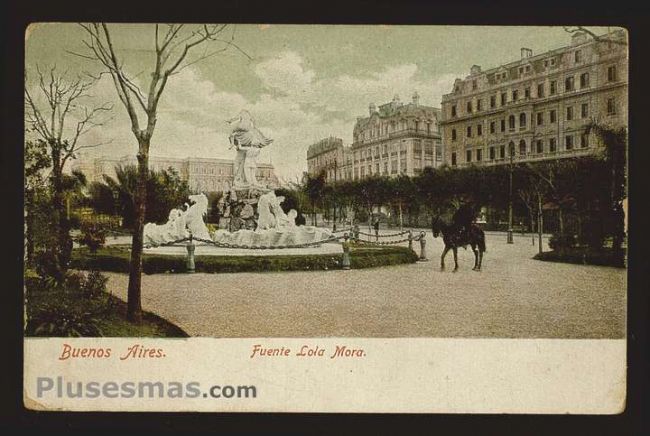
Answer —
605 257
116 259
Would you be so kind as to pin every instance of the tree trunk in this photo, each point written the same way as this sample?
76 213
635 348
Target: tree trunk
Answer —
401 221
540 223
63 246
134 300
29 226
560 218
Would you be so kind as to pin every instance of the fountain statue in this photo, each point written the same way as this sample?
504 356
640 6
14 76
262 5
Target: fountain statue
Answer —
255 215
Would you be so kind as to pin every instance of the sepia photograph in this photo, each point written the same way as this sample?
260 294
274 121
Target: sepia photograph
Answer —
303 188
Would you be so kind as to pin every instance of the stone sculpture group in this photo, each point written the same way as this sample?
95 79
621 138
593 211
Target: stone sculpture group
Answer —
262 221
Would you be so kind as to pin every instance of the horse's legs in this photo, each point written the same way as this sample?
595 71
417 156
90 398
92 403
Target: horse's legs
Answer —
455 259
480 259
442 258
475 251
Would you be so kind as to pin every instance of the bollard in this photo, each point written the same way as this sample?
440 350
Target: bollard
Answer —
190 255
345 263
410 240
423 252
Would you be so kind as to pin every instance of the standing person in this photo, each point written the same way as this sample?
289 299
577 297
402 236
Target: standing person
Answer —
376 226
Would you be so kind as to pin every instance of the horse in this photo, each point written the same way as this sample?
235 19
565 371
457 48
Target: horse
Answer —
454 237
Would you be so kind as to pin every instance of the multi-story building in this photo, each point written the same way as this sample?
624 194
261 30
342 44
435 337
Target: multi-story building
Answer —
330 157
202 174
395 139
539 106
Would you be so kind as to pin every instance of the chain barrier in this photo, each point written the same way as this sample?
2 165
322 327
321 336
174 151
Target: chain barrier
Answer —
249 247
384 236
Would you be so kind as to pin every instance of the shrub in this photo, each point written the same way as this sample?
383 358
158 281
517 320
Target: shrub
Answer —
93 235
60 319
561 242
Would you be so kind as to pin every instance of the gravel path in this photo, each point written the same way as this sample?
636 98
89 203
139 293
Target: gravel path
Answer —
513 297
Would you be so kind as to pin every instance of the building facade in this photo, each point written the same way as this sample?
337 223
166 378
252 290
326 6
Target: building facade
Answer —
329 157
396 139
202 174
538 107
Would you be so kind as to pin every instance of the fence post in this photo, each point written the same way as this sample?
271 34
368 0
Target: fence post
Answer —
423 252
190 255
345 263
410 236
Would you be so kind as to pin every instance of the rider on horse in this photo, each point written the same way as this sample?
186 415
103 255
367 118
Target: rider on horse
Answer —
463 219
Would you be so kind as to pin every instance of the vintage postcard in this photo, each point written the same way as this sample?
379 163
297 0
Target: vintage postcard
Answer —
325 218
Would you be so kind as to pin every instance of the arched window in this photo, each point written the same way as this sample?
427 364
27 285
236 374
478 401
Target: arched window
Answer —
511 121
522 119
511 148
522 147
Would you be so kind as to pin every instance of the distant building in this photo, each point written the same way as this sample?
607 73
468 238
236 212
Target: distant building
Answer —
538 106
395 139
330 157
202 174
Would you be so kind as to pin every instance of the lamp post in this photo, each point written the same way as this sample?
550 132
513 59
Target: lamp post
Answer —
512 153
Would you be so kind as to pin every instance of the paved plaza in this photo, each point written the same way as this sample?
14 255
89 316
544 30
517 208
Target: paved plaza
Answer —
513 297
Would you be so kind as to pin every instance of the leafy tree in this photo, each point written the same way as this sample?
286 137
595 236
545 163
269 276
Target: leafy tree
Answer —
36 161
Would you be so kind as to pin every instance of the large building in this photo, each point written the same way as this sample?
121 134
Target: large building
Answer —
202 174
329 157
393 139
539 106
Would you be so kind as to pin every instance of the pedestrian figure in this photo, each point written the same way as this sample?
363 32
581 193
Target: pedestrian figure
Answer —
376 226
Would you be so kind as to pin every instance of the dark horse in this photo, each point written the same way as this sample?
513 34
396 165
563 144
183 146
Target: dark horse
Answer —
454 236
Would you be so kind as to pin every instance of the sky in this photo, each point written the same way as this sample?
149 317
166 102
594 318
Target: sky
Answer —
301 83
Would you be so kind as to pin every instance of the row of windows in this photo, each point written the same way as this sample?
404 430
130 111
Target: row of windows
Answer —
393 126
569 85
538 147
539 119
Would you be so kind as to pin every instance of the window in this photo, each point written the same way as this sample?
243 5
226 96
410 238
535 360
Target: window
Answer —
527 92
453 111
522 147
522 120
492 153
540 90
611 73
515 94
552 146
584 80
577 57
553 89
511 148
528 68
611 106
469 107
479 130
492 127
584 140
493 101
453 158
545 64
468 156
453 134
502 152
511 122
569 113
552 116
568 142
521 70
553 62
469 131
568 84
540 118
503 125
478 104
539 148
479 155
584 111
504 99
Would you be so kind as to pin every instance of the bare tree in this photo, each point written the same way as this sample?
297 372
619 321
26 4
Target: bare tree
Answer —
176 47
50 114
600 38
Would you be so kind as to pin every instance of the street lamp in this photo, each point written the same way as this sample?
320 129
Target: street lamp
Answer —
512 153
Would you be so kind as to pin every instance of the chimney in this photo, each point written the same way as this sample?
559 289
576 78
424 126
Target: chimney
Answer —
416 98
526 52
476 69
372 108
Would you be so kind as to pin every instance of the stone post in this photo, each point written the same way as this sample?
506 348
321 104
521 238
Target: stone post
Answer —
190 255
345 263
423 244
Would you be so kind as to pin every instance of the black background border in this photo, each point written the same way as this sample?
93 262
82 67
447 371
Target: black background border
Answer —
16 16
